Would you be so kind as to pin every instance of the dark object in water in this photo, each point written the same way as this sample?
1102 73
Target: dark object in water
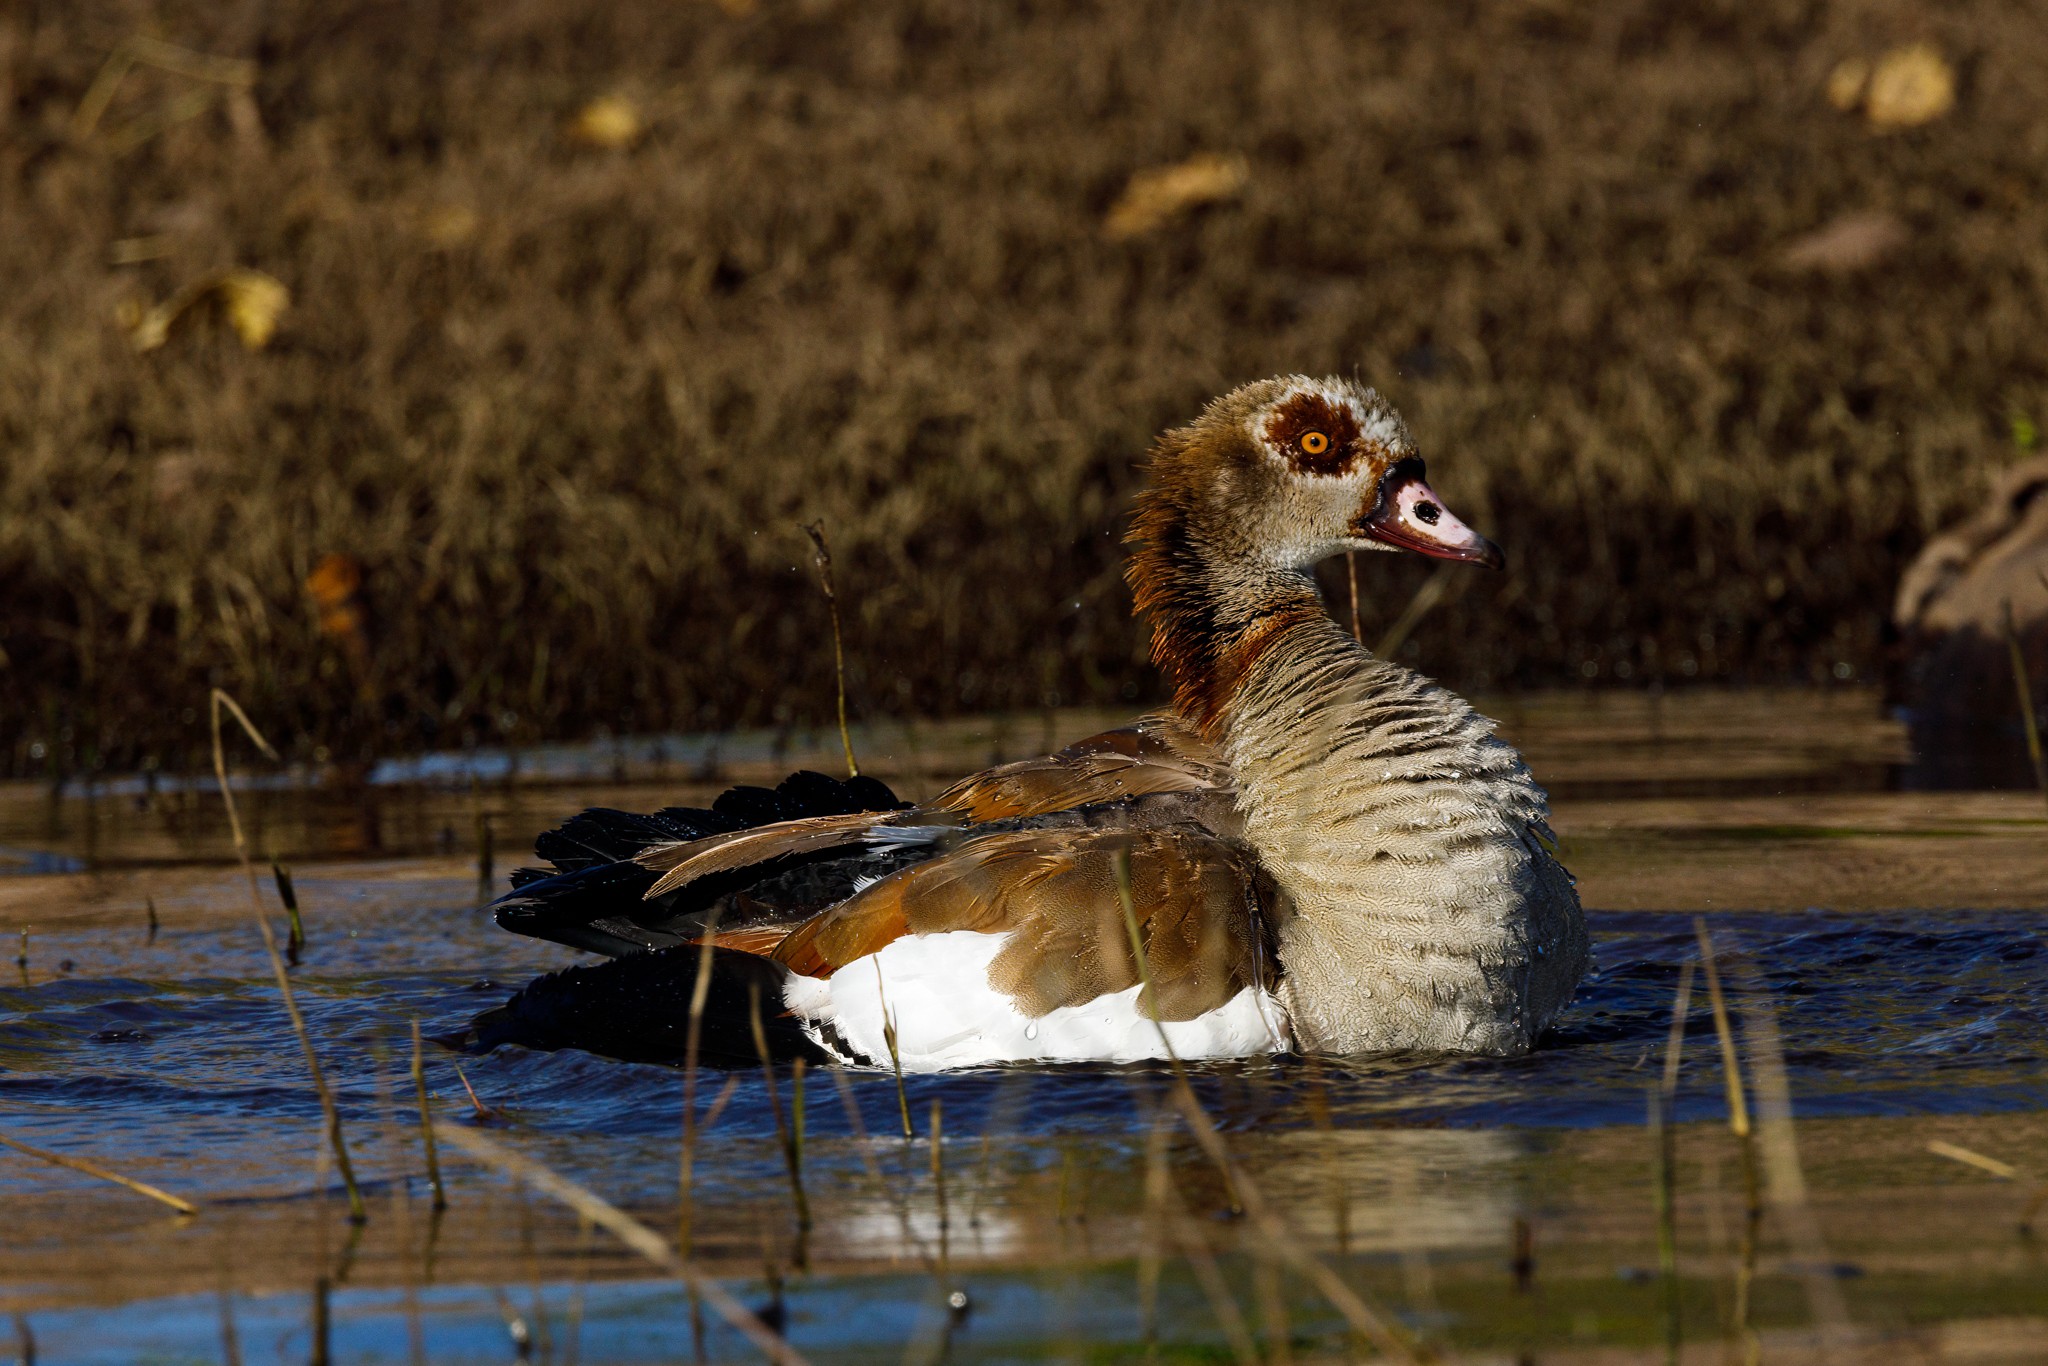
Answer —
636 1008
1956 679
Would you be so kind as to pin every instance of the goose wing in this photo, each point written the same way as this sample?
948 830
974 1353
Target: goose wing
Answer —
1154 756
1063 901
1151 755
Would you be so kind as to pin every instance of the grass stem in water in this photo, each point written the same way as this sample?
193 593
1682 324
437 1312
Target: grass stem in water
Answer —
1738 1124
1280 1241
693 1038
328 1109
79 1164
635 1235
419 1086
2025 687
295 934
816 531
790 1160
895 1055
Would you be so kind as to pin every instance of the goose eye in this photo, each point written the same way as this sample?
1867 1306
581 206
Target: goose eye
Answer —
1315 443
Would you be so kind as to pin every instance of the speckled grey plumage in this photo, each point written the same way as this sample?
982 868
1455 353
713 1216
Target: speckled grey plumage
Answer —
1420 905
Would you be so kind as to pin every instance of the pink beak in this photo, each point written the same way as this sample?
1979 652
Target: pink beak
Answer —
1409 516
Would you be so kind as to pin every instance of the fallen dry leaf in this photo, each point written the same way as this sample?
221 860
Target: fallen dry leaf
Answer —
608 121
1157 195
1911 86
254 302
251 301
1849 242
1846 83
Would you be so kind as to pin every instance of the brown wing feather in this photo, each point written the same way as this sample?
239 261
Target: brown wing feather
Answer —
1156 754
1055 893
688 860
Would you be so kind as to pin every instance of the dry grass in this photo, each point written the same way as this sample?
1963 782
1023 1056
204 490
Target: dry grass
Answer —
564 398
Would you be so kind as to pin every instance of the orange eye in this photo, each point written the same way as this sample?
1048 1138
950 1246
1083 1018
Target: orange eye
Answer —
1315 443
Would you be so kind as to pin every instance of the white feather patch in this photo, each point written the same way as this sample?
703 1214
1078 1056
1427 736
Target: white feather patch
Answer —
936 988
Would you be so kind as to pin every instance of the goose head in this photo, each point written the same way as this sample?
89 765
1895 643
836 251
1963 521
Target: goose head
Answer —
1268 480
1286 472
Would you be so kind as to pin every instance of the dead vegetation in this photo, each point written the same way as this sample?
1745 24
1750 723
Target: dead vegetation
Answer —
579 313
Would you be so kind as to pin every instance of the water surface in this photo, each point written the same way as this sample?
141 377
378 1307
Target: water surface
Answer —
1893 937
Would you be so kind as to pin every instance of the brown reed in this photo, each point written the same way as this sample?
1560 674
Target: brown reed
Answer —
484 1113
2025 687
823 559
419 1086
357 1212
1277 1240
1663 1139
693 1038
295 934
785 1134
635 1235
1739 1125
79 1164
895 1054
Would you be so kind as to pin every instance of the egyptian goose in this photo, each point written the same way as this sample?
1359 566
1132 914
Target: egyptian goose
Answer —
1324 852
1955 602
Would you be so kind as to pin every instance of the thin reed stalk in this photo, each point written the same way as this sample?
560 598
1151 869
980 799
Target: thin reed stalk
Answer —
1201 1259
1281 1241
357 1213
1667 1230
400 1196
2004 1171
1433 590
295 934
791 1161
1351 576
79 1164
1663 1138
1778 1144
419 1086
322 1353
937 1136
230 1340
572 1317
895 1055
686 1219
641 1239
2025 687
693 1038
859 1128
1738 1124
796 1114
823 557
1152 1248
484 1113
1273 1310
486 856
1319 1116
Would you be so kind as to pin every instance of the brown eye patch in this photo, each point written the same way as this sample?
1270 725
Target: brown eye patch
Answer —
1316 436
